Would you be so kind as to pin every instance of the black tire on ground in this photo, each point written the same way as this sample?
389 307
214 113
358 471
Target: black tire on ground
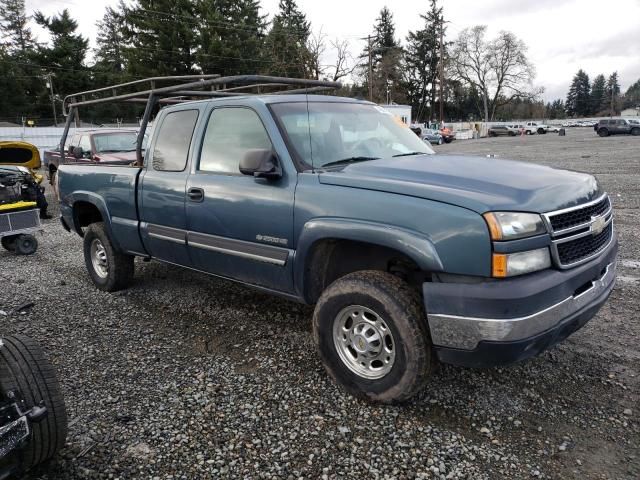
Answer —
402 310
541 131
635 131
24 367
26 244
603 132
119 266
9 243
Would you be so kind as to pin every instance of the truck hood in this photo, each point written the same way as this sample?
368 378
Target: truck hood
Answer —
477 183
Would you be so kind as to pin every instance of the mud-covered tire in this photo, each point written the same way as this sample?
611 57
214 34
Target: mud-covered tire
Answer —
26 245
24 367
401 309
9 243
119 266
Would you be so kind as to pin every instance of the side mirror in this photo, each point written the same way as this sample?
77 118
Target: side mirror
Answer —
261 163
77 152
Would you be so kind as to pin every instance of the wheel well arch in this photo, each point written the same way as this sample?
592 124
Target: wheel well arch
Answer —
84 214
329 259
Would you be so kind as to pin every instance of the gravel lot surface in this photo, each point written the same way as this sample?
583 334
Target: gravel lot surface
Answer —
184 376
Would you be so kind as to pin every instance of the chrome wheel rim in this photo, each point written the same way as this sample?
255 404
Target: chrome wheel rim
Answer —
364 342
99 258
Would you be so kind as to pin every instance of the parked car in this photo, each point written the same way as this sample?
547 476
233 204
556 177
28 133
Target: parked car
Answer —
617 126
108 146
502 130
533 127
33 424
408 256
447 134
553 129
432 136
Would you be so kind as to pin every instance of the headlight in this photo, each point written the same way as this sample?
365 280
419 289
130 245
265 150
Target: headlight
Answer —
513 225
511 264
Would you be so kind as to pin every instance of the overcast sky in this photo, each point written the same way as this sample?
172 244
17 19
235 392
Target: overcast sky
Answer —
562 35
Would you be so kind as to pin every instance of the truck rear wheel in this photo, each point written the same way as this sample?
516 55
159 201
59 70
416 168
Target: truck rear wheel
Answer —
25 369
372 336
109 270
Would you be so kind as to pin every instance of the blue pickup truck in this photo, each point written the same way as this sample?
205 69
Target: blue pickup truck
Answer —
408 256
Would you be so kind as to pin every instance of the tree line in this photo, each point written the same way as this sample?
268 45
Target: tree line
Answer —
472 77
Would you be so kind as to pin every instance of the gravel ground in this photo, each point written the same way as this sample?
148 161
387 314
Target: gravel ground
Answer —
184 376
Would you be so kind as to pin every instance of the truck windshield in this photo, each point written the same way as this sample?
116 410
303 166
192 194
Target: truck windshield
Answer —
332 133
117 142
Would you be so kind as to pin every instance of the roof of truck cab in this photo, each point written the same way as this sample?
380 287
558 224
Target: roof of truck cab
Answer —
269 99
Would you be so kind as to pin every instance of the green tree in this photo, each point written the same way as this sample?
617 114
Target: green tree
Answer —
160 37
386 61
422 58
64 56
286 43
578 102
632 96
612 94
230 36
16 34
556 109
598 95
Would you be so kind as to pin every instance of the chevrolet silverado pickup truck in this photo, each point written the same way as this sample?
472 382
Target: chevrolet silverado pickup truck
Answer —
408 257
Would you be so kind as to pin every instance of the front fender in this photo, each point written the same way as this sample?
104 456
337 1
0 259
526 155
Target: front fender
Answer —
413 244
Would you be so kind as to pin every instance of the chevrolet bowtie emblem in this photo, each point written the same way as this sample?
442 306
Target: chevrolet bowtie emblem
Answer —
597 225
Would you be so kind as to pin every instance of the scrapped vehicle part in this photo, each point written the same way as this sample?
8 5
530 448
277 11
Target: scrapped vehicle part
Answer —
33 418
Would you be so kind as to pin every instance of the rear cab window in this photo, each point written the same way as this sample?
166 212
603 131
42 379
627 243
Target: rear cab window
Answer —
171 150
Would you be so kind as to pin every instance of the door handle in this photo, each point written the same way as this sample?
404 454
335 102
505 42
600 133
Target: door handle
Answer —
195 194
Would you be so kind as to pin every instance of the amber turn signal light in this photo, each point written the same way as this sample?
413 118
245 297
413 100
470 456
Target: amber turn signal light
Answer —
499 265
494 226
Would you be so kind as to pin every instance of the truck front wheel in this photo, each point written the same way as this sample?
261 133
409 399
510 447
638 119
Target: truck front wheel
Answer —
372 336
109 270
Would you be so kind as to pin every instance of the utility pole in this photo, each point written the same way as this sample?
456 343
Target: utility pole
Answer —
53 99
370 69
441 73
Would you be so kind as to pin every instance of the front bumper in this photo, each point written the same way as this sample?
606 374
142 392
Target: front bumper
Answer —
504 321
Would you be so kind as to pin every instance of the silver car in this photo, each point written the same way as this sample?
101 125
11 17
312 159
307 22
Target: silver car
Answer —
432 136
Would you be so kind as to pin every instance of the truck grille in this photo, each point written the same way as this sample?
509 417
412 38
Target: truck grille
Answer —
18 221
584 247
580 233
572 218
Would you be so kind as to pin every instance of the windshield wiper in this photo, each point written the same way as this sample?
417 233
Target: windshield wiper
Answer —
410 154
345 161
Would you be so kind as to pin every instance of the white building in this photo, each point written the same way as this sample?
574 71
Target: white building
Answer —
403 112
630 112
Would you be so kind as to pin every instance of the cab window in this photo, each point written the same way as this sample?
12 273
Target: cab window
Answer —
171 150
231 133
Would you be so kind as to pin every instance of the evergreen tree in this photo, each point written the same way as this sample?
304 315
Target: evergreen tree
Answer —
612 91
64 57
230 37
109 54
161 38
286 43
632 96
598 95
578 102
386 61
422 58
16 35
556 109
